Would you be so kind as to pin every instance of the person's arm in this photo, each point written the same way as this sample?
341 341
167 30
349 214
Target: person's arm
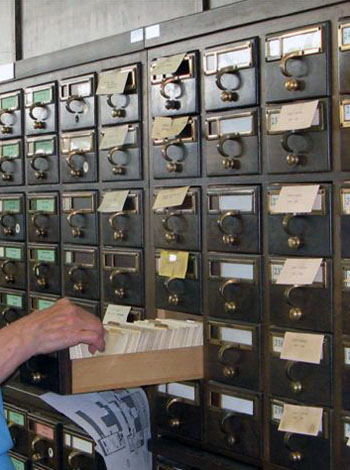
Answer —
43 331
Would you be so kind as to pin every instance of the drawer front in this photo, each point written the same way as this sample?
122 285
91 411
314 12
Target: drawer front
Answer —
13 306
297 63
45 440
234 288
78 450
233 421
300 151
125 106
11 108
234 219
11 162
302 381
12 217
42 159
298 451
79 222
16 419
78 157
41 109
43 217
232 143
231 75
81 272
13 265
233 354
175 92
77 102
44 268
308 307
302 234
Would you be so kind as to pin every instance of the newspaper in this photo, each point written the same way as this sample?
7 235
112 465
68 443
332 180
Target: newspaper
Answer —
119 423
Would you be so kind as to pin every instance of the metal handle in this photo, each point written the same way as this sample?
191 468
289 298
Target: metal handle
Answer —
230 306
170 235
6 175
6 230
41 280
228 161
173 166
292 84
295 312
228 371
73 455
4 313
295 386
174 422
79 286
5 128
294 241
173 298
8 277
294 455
118 168
70 101
119 234
39 231
230 238
76 231
120 292
74 171
228 94
231 438
39 174
164 84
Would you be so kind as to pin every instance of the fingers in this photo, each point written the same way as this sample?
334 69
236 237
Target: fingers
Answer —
93 339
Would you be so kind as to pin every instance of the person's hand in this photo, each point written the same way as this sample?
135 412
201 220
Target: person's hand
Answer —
59 327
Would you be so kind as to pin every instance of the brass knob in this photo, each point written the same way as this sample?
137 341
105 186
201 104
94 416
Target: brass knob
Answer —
294 242
119 235
173 299
292 160
170 237
119 170
39 125
77 232
173 167
228 163
292 84
118 113
230 306
75 172
41 232
227 95
229 372
78 287
295 313
120 292
229 239
6 177
231 440
8 231
174 423
296 387
42 282
40 175
295 456
6 130
36 457
37 377
9 278
172 104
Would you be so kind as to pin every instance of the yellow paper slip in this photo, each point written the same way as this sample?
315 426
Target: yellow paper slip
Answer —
296 116
113 137
173 264
167 65
113 201
113 81
301 419
170 197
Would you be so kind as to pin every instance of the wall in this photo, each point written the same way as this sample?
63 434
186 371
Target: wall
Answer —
7 23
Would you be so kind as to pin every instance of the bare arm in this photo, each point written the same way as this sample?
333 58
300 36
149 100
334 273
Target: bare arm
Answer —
52 329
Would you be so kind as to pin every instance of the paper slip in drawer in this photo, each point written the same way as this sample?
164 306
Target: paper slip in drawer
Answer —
136 369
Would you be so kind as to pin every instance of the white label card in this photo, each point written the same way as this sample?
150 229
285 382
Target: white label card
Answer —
113 201
296 116
170 197
301 419
111 82
302 347
116 314
299 199
299 271
167 65
113 137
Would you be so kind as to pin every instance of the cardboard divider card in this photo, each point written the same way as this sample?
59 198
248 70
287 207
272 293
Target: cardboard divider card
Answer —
302 347
299 271
113 201
178 125
296 116
173 264
167 65
116 313
301 419
111 82
161 127
170 197
113 137
297 199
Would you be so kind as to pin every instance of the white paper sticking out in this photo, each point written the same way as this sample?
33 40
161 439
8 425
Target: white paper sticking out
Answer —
119 423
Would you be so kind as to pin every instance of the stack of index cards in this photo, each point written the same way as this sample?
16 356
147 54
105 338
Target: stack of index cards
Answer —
145 335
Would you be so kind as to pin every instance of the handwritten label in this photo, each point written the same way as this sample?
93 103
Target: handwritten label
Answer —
113 137
167 65
116 314
302 347
299 271
301 419
173 264
170 197
296 116
113 201
111 82
165 127
297 199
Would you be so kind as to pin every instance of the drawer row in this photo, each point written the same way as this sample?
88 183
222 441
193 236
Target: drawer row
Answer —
233 220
